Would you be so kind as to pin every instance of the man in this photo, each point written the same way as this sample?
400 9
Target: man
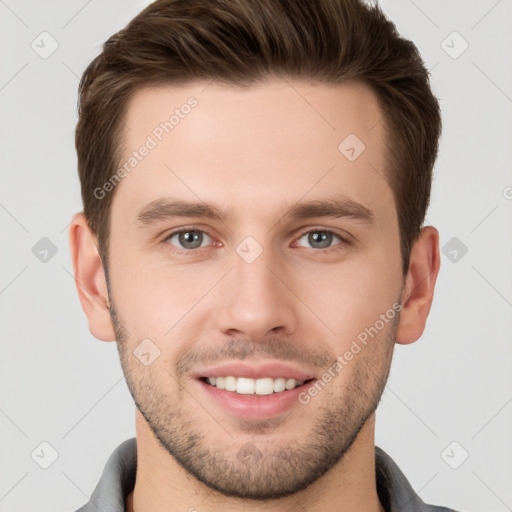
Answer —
255 175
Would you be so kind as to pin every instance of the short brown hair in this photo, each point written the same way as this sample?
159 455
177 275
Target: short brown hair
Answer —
243 42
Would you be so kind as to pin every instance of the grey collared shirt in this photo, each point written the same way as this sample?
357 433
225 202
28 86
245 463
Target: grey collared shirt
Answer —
118 480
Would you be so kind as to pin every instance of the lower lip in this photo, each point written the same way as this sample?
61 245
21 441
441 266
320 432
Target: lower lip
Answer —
255 407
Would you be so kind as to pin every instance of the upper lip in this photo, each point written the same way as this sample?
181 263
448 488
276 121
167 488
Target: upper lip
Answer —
254 371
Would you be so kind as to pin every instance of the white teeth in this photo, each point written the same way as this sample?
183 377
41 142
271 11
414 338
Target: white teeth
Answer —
290 383
230 383
279 385
246 386
264 386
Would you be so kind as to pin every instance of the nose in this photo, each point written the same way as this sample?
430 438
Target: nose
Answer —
256 298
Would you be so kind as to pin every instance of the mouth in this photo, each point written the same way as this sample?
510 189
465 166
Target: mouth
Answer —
253 390
254 399
260 387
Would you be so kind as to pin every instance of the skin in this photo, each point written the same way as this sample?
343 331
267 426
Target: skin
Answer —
255 151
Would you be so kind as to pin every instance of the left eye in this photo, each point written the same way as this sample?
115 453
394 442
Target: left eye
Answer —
320 239
189 238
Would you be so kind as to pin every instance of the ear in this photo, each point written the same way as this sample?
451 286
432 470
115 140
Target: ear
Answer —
419 286
90 278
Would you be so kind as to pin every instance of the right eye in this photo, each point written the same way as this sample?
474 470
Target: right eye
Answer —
186 240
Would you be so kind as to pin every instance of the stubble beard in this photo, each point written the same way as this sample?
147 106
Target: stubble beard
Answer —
251 469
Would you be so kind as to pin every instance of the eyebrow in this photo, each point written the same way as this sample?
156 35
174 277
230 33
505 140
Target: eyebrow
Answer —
167 208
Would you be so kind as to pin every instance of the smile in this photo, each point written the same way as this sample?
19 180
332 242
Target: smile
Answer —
248 386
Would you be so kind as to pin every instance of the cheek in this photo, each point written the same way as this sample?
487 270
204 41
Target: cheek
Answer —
151 297
348 298
173 294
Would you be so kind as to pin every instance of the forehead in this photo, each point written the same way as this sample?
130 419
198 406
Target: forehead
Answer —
253 147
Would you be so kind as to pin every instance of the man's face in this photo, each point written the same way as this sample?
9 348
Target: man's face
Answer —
257 294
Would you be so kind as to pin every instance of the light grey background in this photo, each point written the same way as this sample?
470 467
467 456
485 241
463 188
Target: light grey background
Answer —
62 386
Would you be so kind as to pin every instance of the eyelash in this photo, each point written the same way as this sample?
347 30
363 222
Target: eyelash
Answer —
190 252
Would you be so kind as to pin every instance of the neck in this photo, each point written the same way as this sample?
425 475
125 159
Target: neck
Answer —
162 484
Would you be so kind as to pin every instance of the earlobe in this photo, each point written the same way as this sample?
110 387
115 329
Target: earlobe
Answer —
419 286
90 278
